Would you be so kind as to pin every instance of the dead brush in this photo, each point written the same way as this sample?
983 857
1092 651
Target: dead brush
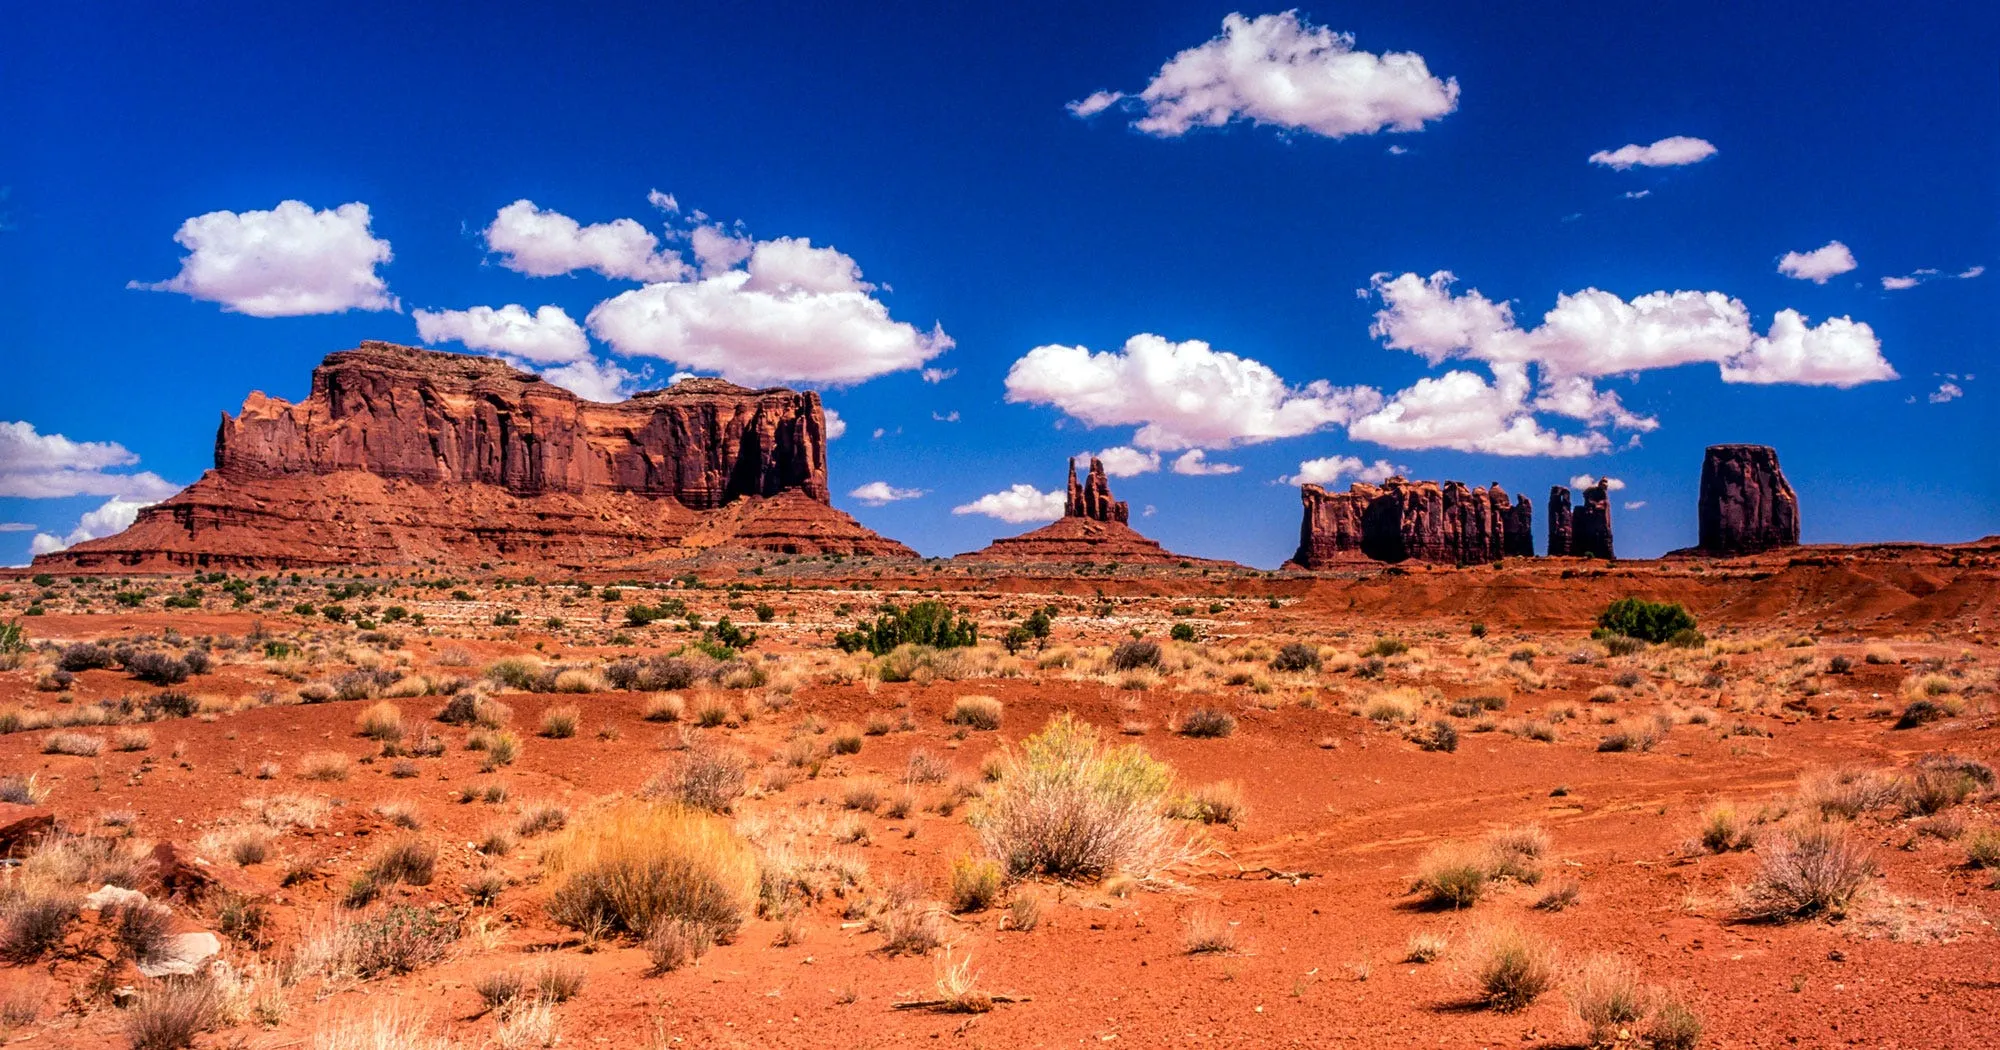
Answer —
1846 793
909 924
1513 968
1806 871
172 1013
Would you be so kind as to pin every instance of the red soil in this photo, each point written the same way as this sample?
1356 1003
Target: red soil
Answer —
1348 806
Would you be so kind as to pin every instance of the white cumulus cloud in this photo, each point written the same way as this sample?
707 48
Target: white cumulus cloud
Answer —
34 465
835 426
1830 260
1195 462
547 341
1667 153
793 313
548 243
1946 392
1123 461
1594 333
115 516
938 375
1635 504
547 336
1017 504
877 493
1839 352
1276 70
1461 410
1584 481
1328 471
1179 395
287 262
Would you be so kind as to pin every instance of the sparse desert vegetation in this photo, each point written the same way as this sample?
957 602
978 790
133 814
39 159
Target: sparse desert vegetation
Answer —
1514 814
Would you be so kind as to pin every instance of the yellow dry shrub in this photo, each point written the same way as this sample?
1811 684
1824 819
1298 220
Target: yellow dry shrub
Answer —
633 865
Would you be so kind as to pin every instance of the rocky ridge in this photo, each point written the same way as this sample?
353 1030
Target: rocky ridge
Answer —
401 456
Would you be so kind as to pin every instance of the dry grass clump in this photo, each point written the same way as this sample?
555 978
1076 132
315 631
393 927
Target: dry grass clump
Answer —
975 712
1425 946
170 1014
1513 968
1206 723
68 742
396 940
1024 912
1607 998
323 766
1393 706
909 924
1451 876
1641 735
704 776
1805 871
1069 805
923 767
1845 793
22 790
1217 803
1516 853
975 884
1208 933
677 943
472 709
1720 829
634 865
386 1029
132 740
34 919
559 723
382 722
663 707
958 987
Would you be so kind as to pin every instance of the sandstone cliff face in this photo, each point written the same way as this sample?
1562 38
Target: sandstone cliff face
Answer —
1746 504
1404 520
401 455
434 418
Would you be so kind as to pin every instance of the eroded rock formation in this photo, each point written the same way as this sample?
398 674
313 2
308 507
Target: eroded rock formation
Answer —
1591 537
400 455
1092 499
1746 505
1562 522
1093 528
1412 520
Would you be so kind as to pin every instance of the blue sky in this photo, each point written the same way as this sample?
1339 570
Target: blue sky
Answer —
939 152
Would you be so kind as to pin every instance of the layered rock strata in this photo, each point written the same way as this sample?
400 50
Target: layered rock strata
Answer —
400 455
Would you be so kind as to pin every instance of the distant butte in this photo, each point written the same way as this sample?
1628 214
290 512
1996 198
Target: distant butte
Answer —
1400 520
1094 528
402 456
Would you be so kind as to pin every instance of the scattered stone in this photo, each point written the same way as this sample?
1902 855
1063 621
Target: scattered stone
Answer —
182 954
